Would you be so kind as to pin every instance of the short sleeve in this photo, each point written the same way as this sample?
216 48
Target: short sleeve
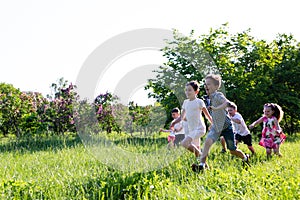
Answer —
237 116
184 105
201 103
220 98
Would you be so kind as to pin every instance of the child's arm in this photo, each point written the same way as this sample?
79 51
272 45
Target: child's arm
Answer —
207 115
175 122
236 120
179 129
277 125
260 120
222 106
183 115
165 130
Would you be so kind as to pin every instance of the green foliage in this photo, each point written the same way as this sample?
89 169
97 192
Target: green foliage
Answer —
187 60
60 112
254 72
104 105
35 122
13 108
140 116
26 113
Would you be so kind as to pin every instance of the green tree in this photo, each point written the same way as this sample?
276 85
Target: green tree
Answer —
140 117
35 122
286 81
254 71
60 112
104 107
187 60
12 109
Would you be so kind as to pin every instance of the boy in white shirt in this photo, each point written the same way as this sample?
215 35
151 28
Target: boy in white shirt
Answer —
176 131
242 133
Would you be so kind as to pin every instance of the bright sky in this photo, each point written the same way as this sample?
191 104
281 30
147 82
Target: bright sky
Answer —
42 41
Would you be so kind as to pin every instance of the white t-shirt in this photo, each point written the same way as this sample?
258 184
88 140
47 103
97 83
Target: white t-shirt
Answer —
193 110
178 126
241 128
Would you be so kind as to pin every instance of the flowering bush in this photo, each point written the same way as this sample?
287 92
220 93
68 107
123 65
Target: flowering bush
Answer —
28 113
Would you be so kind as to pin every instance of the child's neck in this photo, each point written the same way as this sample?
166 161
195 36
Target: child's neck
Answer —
212 92
193 98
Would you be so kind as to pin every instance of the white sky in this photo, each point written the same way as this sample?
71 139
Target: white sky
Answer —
41 41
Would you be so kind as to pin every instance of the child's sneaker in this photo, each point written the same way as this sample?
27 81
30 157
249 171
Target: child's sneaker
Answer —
246 162
199 168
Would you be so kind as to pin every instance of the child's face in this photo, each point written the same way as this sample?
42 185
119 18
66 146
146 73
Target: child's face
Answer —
209 86
268 112
190 92
175 115
231 111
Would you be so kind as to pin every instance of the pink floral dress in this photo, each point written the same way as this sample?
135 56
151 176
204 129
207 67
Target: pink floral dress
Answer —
271 138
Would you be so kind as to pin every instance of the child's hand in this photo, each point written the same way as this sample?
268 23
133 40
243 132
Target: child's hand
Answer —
277 141
251 126
209 127
211 108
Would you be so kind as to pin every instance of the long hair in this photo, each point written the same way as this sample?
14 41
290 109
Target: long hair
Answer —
278 112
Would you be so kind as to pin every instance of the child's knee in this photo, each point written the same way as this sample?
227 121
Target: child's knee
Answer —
183 144
186 143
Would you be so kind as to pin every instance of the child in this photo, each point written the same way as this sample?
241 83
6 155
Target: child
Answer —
222 140
192 109
176 132
240 128
272 135
221 123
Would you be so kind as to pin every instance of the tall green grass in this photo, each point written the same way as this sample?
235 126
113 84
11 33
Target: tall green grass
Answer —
62 168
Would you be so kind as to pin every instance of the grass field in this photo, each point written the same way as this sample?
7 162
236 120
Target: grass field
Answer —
62 168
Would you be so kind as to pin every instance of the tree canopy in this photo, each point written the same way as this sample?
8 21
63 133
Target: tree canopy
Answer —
254 71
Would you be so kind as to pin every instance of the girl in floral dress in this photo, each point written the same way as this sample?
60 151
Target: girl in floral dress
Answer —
272 135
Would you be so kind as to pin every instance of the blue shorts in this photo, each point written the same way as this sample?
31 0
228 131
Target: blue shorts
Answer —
226 133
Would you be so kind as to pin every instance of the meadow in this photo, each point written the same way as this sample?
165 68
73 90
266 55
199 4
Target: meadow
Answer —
61 167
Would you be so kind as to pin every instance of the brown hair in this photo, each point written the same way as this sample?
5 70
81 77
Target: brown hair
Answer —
278 112
217 80
232 105
175 110
195 85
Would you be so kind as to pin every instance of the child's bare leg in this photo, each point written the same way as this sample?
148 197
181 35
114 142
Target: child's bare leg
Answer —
236 142
193 148
238 153
269 152
251 149
172 144
277 152
208 143
187 143
223 143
